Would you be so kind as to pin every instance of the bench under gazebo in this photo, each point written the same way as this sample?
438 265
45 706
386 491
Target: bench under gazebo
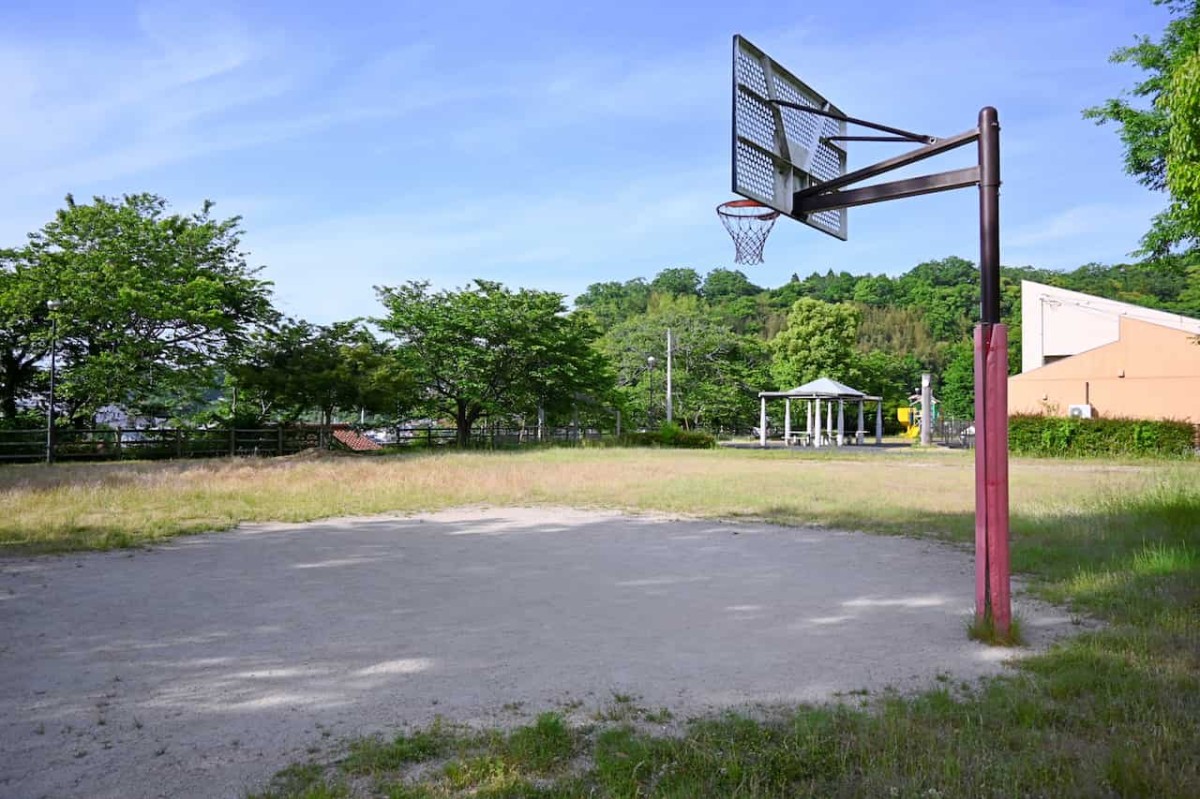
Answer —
813 394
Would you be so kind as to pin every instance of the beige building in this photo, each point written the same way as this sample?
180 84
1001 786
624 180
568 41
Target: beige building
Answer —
1087 356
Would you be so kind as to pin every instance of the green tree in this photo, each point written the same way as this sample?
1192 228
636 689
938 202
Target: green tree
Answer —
24 333
900 331
819 341
830 287
151 302
716 373
877 291
890 376
487 350
1159 122
613 302
956 384
678 282
727 284
300 367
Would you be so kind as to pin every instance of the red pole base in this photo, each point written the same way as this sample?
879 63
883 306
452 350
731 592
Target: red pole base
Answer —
993 599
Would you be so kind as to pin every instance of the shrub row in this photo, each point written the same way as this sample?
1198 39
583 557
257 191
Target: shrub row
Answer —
1086 438
670 435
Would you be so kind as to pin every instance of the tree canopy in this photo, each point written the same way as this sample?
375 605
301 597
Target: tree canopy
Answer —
300 367
485 349
1159 125
150 302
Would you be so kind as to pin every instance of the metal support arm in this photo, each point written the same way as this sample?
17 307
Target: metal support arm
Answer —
910 187
902 160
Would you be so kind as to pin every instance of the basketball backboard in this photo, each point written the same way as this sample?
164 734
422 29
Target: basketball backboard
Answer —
777 150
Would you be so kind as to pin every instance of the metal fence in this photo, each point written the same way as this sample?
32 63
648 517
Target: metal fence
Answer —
958 433
108 444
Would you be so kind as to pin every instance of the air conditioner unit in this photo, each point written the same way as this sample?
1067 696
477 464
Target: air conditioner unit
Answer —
1080 411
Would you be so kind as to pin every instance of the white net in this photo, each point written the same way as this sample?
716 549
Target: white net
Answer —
749 223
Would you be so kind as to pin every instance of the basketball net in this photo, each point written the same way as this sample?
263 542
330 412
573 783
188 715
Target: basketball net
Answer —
749 223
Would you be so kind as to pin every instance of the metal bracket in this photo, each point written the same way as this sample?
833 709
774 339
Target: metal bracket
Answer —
901 135
825 139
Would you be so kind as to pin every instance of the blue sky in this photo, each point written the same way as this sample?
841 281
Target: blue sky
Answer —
549 144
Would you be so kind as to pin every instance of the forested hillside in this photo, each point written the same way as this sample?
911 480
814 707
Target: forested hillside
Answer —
874 332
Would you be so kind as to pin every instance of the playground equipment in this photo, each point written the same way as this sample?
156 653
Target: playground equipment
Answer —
913 416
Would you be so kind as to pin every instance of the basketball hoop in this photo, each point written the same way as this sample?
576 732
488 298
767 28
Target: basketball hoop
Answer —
749 223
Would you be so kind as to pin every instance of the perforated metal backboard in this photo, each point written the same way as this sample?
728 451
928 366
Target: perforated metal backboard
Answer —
778 151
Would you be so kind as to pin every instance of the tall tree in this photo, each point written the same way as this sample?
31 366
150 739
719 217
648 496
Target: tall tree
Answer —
716 374
819 341
150 301
677 282
24 333
299 367
487 350
727 284
1159 121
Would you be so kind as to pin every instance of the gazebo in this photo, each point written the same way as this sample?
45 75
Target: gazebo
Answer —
813 394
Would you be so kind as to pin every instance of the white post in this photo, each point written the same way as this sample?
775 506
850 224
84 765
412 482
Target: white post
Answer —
858 437
878 422
541 423
762 423
841 422
817 424
787 421
926 410
670 405
829 421
808 427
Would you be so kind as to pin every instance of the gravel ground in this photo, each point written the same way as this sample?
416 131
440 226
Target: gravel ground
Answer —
200 667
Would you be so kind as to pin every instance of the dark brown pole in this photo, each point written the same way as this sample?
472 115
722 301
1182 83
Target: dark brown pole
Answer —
989 216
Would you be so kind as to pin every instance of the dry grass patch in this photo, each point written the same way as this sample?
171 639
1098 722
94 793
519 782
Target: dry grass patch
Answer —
95 506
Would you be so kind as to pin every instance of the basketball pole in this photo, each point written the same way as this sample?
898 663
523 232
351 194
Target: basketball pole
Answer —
993 601
814 183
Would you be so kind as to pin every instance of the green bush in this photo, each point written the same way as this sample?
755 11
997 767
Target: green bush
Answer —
1098 438
670 435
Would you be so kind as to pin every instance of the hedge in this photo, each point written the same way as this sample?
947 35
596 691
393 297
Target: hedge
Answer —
670 435
1098 438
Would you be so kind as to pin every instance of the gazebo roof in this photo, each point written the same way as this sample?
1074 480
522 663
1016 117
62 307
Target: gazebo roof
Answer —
823 388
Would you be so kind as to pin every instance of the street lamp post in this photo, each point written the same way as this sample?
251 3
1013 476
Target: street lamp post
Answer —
52 306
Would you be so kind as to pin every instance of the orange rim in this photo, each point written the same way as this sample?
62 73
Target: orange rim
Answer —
768 213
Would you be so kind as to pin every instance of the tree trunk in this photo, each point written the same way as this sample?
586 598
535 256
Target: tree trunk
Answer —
464 417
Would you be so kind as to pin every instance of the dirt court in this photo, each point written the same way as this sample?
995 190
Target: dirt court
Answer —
201 666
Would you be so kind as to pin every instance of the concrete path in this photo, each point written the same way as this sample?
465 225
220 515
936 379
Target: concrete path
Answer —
202 666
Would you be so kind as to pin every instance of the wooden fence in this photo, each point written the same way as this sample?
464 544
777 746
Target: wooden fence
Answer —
106 444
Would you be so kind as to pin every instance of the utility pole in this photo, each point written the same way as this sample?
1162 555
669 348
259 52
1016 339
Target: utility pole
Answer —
670 405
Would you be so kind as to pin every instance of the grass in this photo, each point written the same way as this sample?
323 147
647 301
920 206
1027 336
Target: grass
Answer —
985 631
1113 711
103 506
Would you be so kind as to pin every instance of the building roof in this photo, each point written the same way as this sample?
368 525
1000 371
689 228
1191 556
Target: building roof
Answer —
1058 323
